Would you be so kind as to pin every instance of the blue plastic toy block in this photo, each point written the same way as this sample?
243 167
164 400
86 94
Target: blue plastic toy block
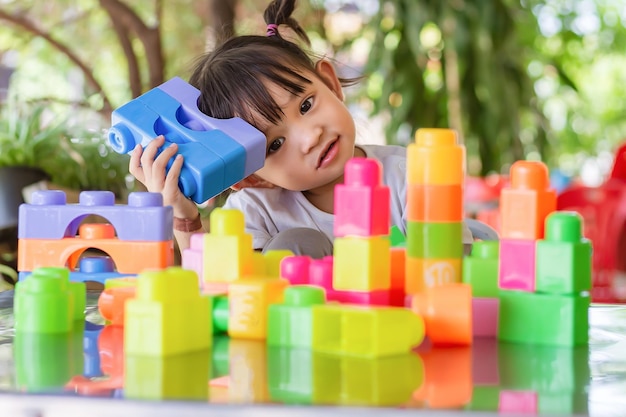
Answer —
49 217
218 152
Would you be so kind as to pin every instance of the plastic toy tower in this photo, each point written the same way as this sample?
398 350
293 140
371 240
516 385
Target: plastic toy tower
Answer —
435 178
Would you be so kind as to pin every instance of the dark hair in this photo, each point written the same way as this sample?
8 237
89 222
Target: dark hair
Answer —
230 78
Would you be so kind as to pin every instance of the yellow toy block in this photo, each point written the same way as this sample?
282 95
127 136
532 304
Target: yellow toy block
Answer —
180 377
248 371
249 299
361 263
228 252
273 258
427 273
435 158
169 316
120 282
365 331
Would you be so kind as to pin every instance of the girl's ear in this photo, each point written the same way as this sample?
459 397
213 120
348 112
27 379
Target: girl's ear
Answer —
326 72
252 181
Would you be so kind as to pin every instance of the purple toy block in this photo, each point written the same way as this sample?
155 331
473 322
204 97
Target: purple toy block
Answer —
193 257
49 217
213 160
295 269
362 203
247 135
485 316
517 265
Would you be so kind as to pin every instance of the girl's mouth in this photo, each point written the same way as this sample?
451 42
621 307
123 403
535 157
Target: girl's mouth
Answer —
328 155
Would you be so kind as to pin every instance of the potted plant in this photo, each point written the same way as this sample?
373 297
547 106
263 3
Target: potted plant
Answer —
34 150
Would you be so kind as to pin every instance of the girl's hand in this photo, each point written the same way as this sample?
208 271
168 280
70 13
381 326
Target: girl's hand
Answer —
151 170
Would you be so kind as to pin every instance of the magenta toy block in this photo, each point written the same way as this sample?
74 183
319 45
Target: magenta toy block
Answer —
373 298
192 258
321 273
50 217
362 203
238 129
485 366
518 402
517 265
485 317
213 160
295 269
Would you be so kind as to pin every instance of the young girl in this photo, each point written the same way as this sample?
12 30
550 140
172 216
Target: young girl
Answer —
297 103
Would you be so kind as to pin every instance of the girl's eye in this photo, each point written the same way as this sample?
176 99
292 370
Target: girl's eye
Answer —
275 145
306 105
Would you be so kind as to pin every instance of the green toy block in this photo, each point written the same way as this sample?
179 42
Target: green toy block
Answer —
365 331
47 302
435 240
291 323
480 269
221 356
219 313
544 319
396 237
564 256
169 316
179 377
484 398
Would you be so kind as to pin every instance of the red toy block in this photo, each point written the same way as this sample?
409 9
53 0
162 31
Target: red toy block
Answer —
517 265
362 203
485 317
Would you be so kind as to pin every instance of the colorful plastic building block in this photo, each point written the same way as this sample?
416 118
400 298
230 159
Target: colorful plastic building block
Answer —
249 299
91 351
518 402
480 268
485 313
563 241
362 202
48 216
47 302
96 269
447 313
218 153
164 300
291 323
112 301
248 371
361 263
516 270
365 331
397 275
526 203
434 238
295 269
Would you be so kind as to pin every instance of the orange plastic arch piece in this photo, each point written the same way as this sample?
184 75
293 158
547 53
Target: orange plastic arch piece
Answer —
447 313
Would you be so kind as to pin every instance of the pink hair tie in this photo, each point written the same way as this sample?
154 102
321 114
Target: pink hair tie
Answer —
272 29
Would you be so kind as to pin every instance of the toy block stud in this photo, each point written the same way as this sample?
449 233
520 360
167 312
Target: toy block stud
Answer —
563 241
447 313
291 323
525 205
365 331
295 269
558 320
361 263
516 269
164 300
480 268
362 203
47 302
111 303
249 299
273 260
436 158
227 248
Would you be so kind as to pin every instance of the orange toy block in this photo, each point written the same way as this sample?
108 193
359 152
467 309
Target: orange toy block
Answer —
447 378
228 253
249 299
130 257
111 303
397 276
361 263
248 371
435 158
434 203
525 205
428 273
447 313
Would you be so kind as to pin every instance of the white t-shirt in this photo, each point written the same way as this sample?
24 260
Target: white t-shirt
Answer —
269 211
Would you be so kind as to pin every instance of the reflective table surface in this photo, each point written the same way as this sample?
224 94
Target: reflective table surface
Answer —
65 376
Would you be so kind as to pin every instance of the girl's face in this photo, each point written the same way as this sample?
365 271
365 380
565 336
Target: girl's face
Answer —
309 147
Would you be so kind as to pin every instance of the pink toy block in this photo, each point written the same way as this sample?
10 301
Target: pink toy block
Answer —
374 298
192 258
485 366
321 273
485 316
362 203
295 269
517 265
518 402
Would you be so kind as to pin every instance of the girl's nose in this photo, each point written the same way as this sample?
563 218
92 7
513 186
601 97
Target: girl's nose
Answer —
310 138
